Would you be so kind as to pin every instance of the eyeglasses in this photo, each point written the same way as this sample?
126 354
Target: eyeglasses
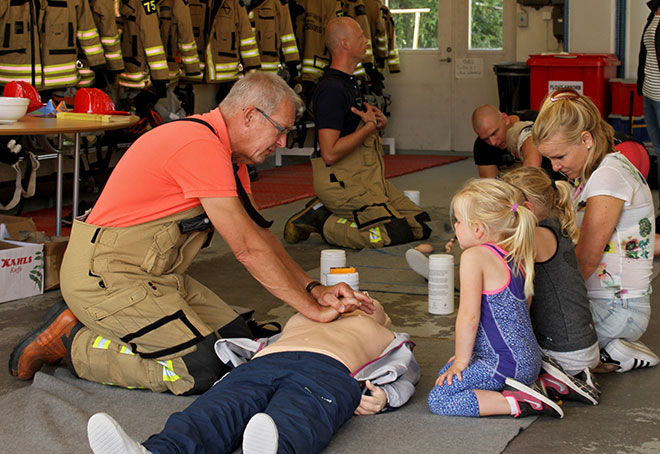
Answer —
280 129
565 93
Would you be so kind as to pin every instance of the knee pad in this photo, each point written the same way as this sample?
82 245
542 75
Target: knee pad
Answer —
399 232
423 218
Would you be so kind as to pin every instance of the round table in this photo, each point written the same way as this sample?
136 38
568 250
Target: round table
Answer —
30 126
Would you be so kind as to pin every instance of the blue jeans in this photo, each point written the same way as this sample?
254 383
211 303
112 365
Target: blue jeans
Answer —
652 119
308 395
620 318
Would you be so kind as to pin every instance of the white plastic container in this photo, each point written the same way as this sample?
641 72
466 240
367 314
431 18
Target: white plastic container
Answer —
331 258
352 279
441 284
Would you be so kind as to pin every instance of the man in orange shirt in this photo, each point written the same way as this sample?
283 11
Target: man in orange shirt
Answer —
134 318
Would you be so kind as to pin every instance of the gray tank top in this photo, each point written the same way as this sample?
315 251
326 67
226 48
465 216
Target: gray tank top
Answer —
560 312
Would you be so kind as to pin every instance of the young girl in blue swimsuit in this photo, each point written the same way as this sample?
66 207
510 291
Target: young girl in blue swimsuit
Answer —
496 354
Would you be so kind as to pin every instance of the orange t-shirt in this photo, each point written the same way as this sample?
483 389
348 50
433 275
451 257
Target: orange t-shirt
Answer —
166 171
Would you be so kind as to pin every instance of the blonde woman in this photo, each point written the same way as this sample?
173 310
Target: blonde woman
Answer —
615 216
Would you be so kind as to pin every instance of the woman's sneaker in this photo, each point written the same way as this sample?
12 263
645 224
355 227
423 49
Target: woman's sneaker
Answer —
555 383
530 401
260 435
628 355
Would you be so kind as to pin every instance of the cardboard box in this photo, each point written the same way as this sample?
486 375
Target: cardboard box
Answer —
21 270
15 227
54 247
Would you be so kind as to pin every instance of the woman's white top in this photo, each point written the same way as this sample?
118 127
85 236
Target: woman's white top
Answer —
626 265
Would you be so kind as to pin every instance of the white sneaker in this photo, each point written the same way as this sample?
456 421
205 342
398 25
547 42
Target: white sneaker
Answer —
106 436
628 355
260 435
418 262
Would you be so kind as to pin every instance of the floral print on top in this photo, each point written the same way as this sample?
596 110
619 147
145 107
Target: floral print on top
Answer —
626 264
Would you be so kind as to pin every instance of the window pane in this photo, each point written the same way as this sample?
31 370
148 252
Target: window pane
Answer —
404 24
486 24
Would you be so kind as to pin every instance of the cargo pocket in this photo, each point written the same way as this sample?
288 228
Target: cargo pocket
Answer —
153 324
161 253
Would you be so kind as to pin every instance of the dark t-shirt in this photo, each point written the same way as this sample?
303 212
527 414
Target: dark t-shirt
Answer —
333 98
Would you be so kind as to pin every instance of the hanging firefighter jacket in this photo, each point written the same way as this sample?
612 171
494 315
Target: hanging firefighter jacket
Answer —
39 42
271 24
201 17
231 49
393 62
104 14
355 9
141 46
176 32
310 28
378 29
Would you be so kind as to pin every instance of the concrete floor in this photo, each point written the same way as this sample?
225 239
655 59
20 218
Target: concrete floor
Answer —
626 421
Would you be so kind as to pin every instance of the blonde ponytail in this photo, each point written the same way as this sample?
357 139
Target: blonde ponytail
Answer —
549 199
499 207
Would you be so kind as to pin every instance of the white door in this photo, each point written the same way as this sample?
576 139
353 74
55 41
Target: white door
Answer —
437 90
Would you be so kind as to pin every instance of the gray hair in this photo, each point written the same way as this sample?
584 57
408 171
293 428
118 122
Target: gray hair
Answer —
263 90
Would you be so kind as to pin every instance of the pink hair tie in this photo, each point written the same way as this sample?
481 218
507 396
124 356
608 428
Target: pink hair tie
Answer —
514 207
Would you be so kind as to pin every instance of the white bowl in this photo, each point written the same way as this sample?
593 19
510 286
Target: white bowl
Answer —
12 109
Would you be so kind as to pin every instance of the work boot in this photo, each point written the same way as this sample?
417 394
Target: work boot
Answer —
45 345
309 220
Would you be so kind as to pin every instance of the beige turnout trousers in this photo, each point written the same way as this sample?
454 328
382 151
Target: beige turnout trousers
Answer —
147 324
367 210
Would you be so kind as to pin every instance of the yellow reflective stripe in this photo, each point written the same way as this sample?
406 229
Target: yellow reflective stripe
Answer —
92 50
132 76
87 34
289 50
192 59
19 68
113 56
289 37
374 235
168 371
58 69
159 64
101 343
353 225
248 41
269 65
188 46
110 40
154 50
249 53
124 350
10 78
342 221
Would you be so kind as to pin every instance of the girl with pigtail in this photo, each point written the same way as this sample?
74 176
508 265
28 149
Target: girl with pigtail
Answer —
560 311
496 353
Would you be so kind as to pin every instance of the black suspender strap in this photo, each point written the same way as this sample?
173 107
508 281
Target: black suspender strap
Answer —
242 195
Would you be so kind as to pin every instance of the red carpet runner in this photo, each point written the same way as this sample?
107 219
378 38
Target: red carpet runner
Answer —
282 185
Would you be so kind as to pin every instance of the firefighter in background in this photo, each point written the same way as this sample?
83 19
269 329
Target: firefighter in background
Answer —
271 24
356 206
104 14
176 33
40 46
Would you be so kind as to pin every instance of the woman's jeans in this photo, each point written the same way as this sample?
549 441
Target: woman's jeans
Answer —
620 318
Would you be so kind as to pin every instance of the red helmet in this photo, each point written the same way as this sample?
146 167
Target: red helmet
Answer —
20 89
93 100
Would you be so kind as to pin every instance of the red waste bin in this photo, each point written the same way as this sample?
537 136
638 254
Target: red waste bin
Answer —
589 74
